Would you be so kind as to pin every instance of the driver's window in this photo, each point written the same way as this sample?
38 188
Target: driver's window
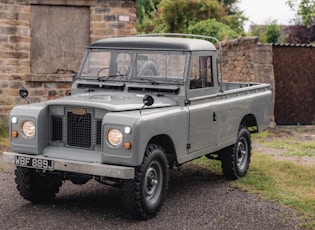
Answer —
201 72
95 63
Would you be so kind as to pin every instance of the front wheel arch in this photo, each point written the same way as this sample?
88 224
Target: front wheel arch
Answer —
167 144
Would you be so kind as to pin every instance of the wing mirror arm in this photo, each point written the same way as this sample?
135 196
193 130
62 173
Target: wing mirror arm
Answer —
147 101
24 93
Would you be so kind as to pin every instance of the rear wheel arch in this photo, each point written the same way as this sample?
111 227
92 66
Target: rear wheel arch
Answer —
250 122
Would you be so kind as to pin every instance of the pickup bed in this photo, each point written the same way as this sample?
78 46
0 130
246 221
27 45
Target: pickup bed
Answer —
138 107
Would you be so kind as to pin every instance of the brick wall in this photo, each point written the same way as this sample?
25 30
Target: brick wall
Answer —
106 19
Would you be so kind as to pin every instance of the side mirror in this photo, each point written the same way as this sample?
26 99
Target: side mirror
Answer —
148 100
24 93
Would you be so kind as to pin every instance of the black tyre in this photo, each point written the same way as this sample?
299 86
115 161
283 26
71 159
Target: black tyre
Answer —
235 159
35 187
145 194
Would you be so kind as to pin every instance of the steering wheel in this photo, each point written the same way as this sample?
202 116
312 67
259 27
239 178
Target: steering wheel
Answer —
100 70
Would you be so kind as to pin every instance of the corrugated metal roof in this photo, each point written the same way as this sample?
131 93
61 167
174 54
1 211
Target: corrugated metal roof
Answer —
293 45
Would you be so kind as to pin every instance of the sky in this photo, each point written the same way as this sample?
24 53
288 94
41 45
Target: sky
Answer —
261 11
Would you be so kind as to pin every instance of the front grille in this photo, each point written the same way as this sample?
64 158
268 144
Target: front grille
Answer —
98 132
57 128
77 130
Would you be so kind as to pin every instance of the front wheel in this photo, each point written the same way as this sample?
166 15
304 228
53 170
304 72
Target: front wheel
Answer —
235 159
36 187
145 194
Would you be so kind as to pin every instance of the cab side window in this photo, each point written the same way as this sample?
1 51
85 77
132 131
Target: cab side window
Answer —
201 72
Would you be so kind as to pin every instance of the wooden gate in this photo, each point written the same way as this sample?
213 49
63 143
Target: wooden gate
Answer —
294 71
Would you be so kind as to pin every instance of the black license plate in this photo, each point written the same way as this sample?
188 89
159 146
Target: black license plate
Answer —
34 163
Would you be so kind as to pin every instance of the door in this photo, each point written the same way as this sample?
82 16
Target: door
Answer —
202 115
202 126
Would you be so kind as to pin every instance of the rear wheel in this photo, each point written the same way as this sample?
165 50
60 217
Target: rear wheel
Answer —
36 187
235 159
145 194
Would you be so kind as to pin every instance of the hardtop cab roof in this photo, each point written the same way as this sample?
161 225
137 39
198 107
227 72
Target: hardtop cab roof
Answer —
155 43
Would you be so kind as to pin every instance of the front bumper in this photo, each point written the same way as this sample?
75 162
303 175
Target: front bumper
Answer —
95 169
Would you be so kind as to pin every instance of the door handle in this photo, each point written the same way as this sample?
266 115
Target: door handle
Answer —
214 116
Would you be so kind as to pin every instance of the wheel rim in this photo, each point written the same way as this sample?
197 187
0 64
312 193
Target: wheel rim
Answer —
242 153
153 182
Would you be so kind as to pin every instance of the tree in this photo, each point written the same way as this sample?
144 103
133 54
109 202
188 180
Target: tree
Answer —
145 7
269 33
297 34
273 32
231 6
175 16
305 9
212 27
178 15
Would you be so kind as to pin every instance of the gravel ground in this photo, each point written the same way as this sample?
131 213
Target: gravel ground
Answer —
197 199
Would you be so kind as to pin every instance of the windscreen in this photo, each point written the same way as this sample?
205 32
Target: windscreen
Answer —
134 65
102 63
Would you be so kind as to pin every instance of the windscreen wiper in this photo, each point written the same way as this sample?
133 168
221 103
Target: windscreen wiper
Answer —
110 76
149 80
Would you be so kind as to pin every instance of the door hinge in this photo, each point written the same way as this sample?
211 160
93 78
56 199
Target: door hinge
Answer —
187 102
188 146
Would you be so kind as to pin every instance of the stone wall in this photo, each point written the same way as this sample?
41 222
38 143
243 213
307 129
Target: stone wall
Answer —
247 60
17 44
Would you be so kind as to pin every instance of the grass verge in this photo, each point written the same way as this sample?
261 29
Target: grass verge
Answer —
290 144
285 182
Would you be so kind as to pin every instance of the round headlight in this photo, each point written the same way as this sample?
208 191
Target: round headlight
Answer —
114 137
28 129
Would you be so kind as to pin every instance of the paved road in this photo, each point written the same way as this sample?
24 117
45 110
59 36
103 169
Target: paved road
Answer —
193 202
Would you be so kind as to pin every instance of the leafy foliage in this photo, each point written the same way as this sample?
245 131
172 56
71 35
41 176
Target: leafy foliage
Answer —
270 33
212 27
235 22
273 32
175 16
306 10
145 7
297 34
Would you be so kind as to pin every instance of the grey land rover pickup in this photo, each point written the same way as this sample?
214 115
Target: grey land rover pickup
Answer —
138 107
